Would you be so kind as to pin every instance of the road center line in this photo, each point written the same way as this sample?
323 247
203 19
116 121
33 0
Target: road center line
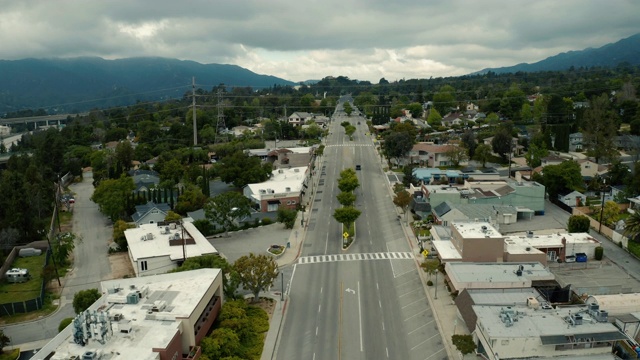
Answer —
360 314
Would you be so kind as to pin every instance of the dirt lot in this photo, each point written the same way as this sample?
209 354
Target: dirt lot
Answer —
120 266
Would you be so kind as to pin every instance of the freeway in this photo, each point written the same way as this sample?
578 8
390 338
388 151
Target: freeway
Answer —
37 119
366 302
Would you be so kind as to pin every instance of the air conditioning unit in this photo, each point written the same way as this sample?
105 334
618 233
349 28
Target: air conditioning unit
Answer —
280 171
263 191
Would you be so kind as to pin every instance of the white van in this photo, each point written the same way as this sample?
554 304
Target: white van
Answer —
18 275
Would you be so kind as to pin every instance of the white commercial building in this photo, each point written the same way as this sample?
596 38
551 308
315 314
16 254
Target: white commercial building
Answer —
154 317
159 248
528 332
463 275
284 188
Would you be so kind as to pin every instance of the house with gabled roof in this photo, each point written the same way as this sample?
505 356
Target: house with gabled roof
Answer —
298 118
150 213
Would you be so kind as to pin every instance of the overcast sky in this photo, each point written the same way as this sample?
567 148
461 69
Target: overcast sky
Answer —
308 39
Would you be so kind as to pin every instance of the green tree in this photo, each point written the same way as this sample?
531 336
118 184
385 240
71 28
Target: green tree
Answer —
241 169
430 266
599 129
578 224
535 154
444 99
415 109
409 178
257 272
464 343
512 101
501 143
111 196
563 177
286 216
119 227
611 212
347 108
63 246
225 208
469 141
348 180
172 216
397 145
402 199
349 130
124 154
346 215
526 113
222 344
483 154
191 199
434 119
457 154
346 198
84 298
632 226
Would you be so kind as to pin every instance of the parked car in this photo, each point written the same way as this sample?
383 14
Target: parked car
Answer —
581 257
570 258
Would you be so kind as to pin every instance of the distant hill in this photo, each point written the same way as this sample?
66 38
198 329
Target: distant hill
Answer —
78 84
610 55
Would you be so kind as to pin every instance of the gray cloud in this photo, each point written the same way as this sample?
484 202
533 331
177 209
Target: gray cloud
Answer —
300 40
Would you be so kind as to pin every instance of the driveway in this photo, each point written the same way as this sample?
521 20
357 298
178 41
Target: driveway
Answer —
91 265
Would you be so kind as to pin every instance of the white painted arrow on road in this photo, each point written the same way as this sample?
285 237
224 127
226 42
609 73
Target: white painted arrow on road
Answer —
350 290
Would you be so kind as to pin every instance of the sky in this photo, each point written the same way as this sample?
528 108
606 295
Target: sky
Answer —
300 40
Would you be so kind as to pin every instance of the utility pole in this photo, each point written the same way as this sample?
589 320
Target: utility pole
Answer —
221 128
193 105
604 187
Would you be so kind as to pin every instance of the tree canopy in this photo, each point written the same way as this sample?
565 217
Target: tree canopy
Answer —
256 272
225 208
111 196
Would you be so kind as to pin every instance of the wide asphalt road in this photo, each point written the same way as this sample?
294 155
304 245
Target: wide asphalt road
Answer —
366 302
91 265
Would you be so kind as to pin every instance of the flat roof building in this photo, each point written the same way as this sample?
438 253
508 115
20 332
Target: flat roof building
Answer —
284 188
521 332
154 317
463 275
161 247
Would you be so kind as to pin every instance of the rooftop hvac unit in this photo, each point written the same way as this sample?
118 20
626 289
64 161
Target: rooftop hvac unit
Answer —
287 189
166 229
149 236
159 306
176 236
484 228
263 191
172 226
533 303
296 170
132 298
280 171
89 355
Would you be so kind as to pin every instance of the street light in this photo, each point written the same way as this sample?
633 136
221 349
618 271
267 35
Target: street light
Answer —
604 182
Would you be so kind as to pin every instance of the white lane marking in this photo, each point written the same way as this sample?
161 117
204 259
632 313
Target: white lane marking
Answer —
360 314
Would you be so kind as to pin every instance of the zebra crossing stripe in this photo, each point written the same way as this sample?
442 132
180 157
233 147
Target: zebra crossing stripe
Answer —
355 257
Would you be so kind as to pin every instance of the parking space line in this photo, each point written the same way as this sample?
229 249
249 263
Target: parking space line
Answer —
407 293
418 328
434 354
438 334
411 303
416 314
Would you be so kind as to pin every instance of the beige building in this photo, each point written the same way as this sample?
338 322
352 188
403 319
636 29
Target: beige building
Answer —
155 317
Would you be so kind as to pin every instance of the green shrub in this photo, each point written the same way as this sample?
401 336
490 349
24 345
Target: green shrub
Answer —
599 253
10 355
64 323
429 283
267 221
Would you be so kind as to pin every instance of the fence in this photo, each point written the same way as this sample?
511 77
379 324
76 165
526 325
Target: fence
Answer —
604 230
20 307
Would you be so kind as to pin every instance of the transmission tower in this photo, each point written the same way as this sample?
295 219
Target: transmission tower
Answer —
221 128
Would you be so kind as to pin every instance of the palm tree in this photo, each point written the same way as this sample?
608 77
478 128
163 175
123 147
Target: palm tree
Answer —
632 226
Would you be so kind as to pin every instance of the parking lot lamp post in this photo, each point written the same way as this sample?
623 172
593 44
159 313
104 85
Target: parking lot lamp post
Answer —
436 284
602 206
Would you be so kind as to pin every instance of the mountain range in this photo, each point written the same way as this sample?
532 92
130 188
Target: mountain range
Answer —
79 84
626 50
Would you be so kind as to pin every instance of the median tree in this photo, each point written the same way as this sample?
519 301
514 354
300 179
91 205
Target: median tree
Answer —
346 198
348 180
223 209
346 215
256 272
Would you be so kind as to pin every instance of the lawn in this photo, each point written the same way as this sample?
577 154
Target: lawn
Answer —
26 290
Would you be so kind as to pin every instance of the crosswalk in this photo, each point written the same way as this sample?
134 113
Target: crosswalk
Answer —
356 257
347 145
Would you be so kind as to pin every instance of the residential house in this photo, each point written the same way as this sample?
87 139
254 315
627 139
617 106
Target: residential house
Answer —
590 169
285 188
573 199
144 180
150 213
628 142
575 142
290 157
429 154
153 317
242 130
298 118
454 118
160 247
